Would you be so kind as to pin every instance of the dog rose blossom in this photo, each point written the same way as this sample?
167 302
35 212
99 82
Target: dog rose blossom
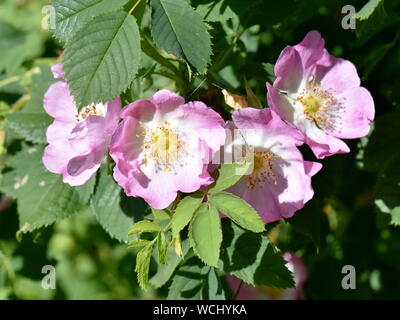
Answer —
280 181
163 146
77 140
321 96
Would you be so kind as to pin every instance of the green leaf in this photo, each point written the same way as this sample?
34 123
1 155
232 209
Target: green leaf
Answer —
10 39
102 59
184 213
32 121
229 175
143 259
195 281
238 210
172 32
160 215
165 271
188 281
383 142
387 194
42 197
138 243
214 11
213 288
205 234
252 258
113 209
144 226
162 248
370 18
72 15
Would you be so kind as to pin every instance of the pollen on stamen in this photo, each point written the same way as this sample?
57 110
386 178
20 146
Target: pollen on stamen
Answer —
97 110
320 106
263 170
163 145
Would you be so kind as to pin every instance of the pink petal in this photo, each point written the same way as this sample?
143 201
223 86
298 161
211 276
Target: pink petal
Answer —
269 121
289 70
336 74
59 130
142 110
113 115
323 144
280 104
59 103
167 100
310 49
358 113
57 71
201 120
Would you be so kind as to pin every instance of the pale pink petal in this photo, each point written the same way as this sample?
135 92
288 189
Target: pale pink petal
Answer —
59 103
357 114
310 49
142 110
337 75
112 116
57 71
289 62
322 144
280 104
59 130
167 100
200 120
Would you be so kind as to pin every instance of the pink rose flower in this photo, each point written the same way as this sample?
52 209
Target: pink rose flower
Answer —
300 274
77 140
321 96
280 181
163 146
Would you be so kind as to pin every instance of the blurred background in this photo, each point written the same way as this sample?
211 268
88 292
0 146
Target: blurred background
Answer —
353 217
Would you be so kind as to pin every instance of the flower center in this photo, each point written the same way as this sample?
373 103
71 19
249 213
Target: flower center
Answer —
98 109
263 170
320 106
163 145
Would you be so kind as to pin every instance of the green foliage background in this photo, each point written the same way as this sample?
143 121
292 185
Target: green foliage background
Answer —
353 219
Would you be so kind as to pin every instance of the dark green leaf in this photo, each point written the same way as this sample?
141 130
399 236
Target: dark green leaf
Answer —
72 15
32 121
115 211
102 59
252 258
42 197
172 32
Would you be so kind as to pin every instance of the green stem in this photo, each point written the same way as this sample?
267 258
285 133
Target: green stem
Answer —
152 52
134 7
